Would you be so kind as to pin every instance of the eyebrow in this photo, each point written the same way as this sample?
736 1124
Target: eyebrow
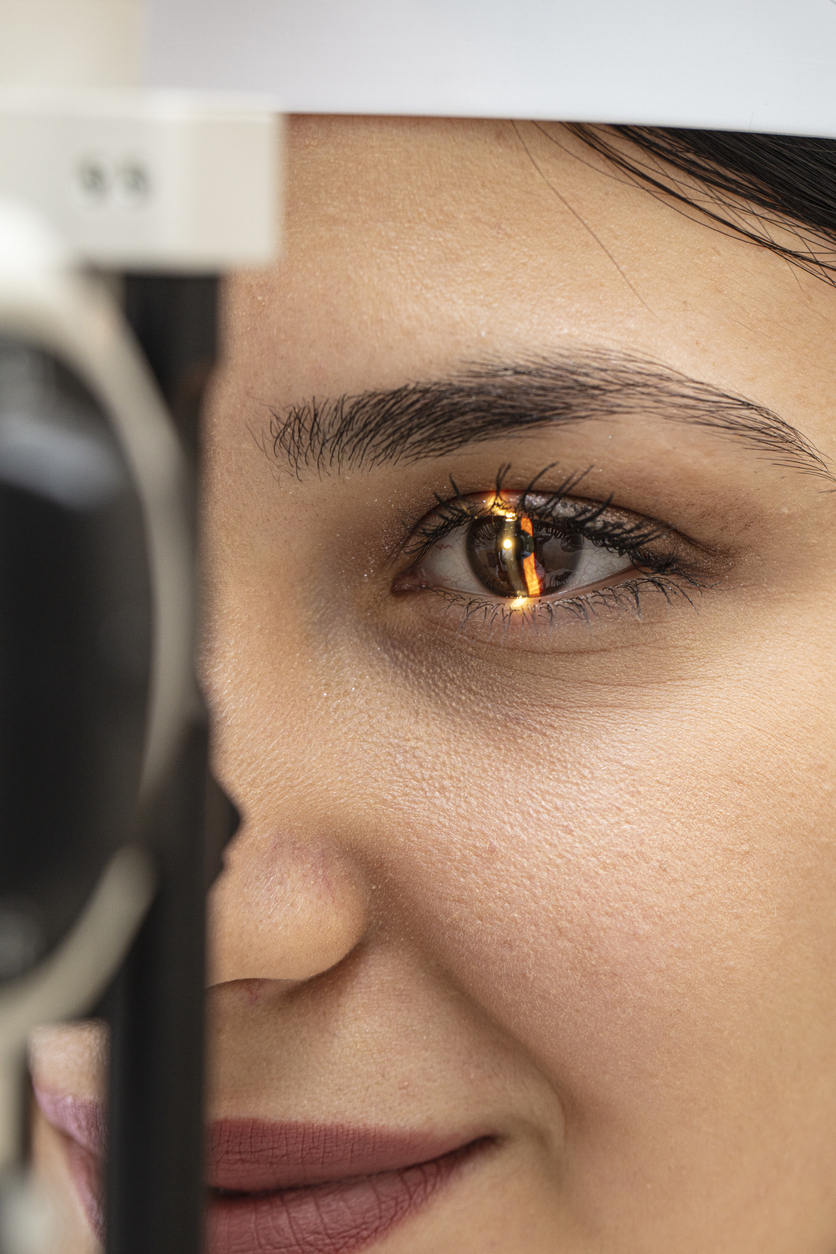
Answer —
489 399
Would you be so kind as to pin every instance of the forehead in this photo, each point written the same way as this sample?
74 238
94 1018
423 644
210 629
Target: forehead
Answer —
414 245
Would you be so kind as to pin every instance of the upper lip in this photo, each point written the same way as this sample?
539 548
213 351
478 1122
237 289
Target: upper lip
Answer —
258 1156
252 1155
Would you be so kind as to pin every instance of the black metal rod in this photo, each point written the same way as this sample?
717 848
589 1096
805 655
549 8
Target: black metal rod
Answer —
174 318
155 1192
154 1184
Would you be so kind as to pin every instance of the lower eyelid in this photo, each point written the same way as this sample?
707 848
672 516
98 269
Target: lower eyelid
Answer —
594 619
578 619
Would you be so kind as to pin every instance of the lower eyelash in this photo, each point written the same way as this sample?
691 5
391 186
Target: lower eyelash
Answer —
627 596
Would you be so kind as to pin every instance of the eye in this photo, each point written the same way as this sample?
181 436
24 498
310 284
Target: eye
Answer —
507 549
519 556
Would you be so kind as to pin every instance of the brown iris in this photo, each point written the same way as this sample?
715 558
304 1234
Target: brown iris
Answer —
519 556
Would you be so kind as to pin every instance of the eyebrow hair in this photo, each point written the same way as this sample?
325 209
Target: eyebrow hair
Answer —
491 399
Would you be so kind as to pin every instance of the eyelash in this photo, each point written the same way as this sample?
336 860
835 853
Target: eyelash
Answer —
588 520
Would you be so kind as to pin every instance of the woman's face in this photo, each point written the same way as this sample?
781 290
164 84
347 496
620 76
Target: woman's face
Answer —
552 876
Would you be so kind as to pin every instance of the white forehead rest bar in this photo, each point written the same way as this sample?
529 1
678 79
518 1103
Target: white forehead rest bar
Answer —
725 64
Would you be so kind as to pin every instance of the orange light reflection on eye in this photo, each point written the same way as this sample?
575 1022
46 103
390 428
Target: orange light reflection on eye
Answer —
532 579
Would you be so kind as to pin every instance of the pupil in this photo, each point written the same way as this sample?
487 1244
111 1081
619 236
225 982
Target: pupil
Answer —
520 557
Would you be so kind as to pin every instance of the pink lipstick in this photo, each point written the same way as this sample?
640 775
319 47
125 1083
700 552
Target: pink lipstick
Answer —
291 1188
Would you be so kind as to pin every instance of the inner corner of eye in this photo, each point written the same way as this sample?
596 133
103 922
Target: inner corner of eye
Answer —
412 580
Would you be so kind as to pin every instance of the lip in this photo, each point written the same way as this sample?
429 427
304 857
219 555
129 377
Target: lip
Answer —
290 1188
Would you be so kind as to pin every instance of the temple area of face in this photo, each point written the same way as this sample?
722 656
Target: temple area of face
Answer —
500 399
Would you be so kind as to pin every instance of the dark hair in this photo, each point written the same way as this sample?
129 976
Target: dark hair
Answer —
754 184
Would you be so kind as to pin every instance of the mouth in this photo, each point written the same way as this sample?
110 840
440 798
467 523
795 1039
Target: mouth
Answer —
290 1188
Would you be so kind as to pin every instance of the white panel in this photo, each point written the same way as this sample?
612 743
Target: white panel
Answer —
147 181
736 64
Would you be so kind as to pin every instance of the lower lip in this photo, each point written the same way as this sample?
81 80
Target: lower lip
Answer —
339 1217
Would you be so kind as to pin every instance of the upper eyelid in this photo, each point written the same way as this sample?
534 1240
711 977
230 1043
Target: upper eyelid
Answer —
415 547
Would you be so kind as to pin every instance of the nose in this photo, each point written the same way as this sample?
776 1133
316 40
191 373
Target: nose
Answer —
288 906
295 894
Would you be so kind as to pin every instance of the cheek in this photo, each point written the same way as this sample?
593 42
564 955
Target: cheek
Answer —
635 914
636 886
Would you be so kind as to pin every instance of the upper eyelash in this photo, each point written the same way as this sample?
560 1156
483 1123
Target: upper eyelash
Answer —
630 539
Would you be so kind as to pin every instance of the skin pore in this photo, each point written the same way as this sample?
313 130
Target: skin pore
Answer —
562 877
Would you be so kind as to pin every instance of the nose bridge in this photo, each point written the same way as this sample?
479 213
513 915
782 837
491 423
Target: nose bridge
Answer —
291 749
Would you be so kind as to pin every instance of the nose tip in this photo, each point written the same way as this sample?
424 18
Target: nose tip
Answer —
286 908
